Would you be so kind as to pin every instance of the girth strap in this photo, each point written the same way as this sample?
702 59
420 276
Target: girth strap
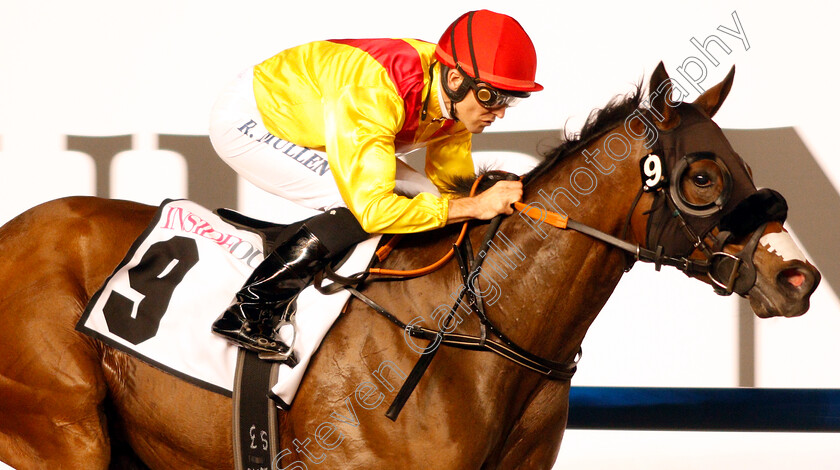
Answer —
255 437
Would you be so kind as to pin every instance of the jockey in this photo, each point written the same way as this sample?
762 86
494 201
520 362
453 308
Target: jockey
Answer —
322 125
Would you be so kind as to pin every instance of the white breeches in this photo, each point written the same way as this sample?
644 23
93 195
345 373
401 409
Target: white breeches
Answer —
295 173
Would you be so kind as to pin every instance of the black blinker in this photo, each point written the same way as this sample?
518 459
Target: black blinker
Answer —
764 205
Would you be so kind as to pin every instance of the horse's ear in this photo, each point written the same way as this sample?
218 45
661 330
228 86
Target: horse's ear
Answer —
712 98
660 104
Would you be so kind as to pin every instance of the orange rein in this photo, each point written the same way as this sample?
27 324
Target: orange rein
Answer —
386 249
551 218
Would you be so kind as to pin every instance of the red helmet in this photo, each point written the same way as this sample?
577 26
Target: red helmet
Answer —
490 47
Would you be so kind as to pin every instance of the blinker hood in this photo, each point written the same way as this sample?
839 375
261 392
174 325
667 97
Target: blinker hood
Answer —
696 137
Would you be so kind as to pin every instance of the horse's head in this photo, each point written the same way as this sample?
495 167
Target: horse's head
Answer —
706 208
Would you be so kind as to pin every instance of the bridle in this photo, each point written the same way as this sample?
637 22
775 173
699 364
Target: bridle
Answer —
685 229
692 224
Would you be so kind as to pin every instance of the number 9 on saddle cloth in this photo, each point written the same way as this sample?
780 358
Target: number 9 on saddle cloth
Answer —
185 269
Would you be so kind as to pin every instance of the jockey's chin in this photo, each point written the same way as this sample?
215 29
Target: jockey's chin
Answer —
478 121
478 127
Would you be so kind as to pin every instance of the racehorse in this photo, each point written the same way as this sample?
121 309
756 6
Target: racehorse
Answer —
69 401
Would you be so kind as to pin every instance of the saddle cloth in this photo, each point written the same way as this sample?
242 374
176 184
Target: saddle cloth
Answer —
178 277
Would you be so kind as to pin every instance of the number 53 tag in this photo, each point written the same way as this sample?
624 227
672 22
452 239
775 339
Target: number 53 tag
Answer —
653 172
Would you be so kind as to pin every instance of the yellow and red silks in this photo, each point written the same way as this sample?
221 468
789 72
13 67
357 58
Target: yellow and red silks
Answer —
360 100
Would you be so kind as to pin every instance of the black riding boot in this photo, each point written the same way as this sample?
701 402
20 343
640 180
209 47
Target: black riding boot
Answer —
272 288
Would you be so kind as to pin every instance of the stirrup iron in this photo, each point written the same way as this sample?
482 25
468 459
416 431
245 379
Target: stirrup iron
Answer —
286 319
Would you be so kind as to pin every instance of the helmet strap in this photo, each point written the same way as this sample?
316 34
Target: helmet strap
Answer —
452 111
456 96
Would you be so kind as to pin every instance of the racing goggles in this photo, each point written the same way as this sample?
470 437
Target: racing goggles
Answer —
493 98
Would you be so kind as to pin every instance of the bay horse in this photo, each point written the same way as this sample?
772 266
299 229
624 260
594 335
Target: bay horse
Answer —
69 401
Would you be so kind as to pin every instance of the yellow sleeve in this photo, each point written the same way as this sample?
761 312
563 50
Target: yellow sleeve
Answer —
361 123
449 158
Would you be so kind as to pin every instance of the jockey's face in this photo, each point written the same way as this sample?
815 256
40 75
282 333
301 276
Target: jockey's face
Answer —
474 115
469 110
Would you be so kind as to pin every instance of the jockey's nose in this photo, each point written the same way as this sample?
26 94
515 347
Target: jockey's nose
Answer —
499 112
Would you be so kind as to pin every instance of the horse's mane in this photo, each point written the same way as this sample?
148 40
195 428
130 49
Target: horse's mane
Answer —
599 121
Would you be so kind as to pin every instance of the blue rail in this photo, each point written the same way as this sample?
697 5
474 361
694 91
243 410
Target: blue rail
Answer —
705 409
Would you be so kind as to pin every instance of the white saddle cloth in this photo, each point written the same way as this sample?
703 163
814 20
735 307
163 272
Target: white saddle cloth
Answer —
178 277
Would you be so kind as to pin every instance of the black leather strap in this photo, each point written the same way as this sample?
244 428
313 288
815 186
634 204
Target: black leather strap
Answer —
338 229
255 438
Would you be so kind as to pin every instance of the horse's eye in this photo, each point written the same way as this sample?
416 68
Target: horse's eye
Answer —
702 180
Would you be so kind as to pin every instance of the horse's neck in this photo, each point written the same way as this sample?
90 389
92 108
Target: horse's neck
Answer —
566 278
543 293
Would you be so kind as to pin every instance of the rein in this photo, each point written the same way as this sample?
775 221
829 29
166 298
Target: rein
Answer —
639 253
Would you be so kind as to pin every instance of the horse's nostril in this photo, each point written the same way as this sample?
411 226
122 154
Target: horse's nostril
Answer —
793 276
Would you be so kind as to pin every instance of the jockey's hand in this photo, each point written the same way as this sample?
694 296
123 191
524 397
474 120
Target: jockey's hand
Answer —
496 200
